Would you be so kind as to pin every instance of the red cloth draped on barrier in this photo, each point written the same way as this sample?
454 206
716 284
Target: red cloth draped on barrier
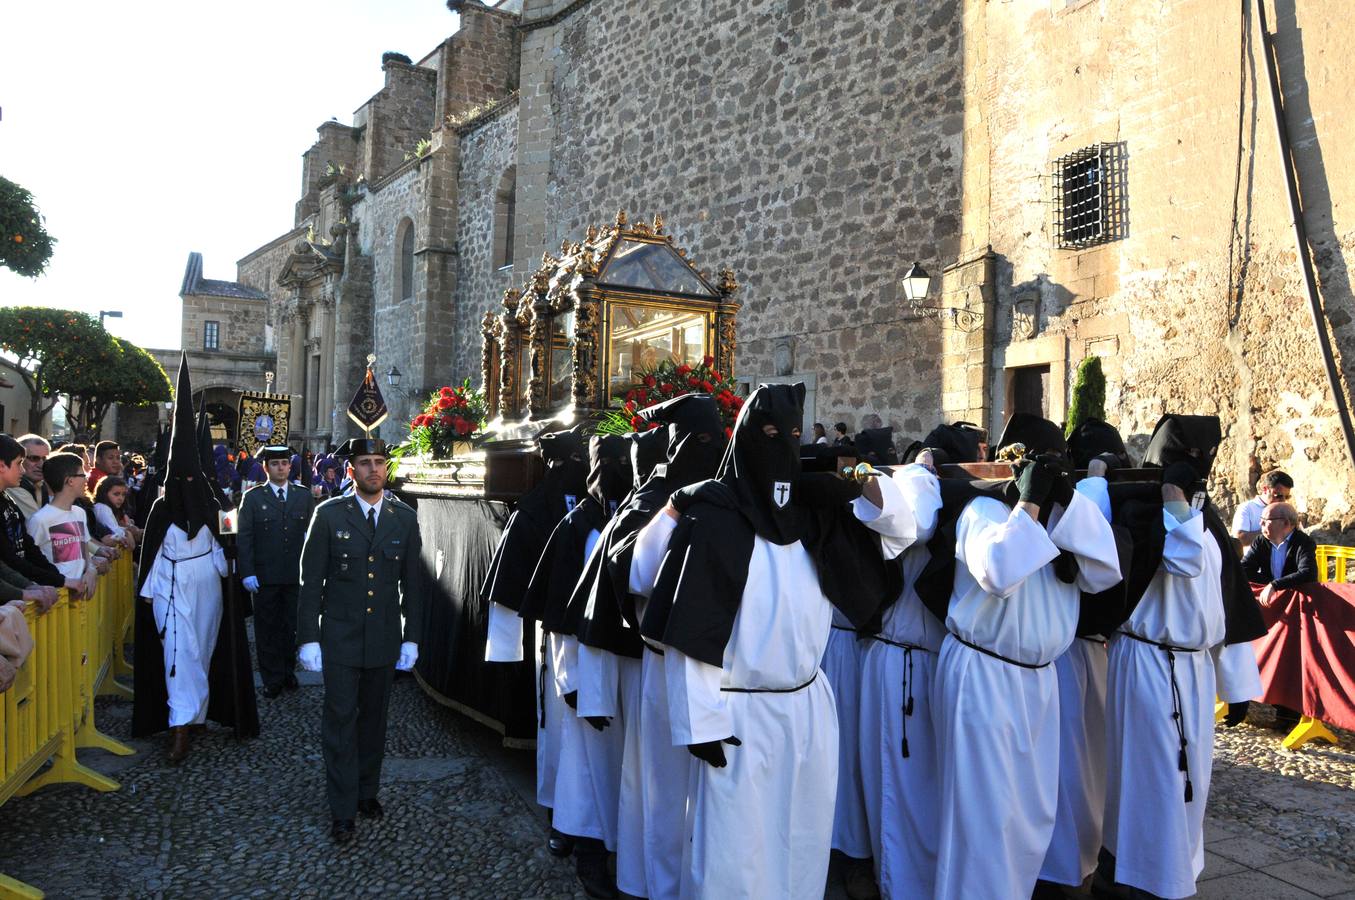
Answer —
1307 658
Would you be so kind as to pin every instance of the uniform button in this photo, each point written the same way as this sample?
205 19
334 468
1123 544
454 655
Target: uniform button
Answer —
369 609
371 575
371 559
371 593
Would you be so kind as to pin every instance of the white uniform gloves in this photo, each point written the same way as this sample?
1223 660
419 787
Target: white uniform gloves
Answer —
309 655
251 584
409 655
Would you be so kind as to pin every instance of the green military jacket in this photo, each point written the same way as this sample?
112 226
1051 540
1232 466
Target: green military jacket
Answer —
355 585
271 533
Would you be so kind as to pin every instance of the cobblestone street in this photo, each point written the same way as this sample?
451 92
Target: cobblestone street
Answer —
249 819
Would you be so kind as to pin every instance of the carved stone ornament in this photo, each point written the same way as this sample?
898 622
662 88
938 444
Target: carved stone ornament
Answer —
783 355
1025 318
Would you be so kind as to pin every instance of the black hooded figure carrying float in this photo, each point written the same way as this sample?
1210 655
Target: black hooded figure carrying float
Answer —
742 607
185 602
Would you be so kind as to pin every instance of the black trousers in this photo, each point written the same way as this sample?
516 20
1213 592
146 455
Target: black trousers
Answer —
275 632
353 734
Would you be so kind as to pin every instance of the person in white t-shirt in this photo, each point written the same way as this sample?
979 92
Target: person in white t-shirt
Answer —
60 529
1272 487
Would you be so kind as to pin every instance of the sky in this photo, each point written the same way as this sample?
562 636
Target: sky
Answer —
149 130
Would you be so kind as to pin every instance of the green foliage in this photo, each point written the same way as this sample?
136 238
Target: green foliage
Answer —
451 414
25 246
121 373
1089 395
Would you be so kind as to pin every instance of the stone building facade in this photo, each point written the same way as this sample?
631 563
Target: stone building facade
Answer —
820 147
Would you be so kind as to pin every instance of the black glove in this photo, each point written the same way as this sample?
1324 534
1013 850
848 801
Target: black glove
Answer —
1183 475
711 751
1034 481
598 722
1236 713
823 490
572 698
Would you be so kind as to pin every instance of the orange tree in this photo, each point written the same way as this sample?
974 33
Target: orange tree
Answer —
119 372
53 351
25 245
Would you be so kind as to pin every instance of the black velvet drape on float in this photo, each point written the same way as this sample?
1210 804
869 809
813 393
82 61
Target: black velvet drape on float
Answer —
459 537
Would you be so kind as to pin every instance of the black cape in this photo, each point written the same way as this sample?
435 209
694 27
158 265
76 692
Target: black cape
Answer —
705 570
525 535
230 676
546 599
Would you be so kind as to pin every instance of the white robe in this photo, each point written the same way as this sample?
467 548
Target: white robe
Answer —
504 644
761 826
1081 672
191 621
609 686
1158 838
842 668
997 722
665 767
900 792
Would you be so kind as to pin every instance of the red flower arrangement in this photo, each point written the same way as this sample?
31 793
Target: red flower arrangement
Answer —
451 414
665 381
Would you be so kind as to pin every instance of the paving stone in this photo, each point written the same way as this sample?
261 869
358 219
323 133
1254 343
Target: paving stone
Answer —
1216 866
1250 852
1325 881
1250 886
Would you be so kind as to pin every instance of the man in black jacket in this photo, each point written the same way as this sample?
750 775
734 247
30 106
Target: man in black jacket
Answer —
17 549
1282 557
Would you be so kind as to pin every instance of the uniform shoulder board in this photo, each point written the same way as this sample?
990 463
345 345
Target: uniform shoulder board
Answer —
397 503
330 503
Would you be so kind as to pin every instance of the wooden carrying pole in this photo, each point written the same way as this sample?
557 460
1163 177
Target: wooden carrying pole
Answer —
1301 234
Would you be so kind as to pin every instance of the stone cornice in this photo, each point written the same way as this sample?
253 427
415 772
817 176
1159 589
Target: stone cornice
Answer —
555 19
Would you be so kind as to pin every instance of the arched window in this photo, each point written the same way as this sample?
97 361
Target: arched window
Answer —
505 203
405 274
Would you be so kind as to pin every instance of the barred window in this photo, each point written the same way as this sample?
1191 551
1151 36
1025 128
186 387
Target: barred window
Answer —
211 335
1089 196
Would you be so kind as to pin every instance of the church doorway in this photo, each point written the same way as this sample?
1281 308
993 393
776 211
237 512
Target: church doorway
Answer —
1028 390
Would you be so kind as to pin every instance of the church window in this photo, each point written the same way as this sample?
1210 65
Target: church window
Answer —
1089 197
211 335
505 209
405 286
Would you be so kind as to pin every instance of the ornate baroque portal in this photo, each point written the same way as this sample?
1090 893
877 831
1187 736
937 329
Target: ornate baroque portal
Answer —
624 298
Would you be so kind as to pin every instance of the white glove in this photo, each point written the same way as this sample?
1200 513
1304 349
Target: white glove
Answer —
409 655
309 655
251 584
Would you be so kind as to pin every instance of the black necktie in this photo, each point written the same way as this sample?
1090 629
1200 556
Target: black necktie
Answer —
371 519
282 497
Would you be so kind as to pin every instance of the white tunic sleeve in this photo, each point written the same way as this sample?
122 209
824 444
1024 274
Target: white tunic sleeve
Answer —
650 545
1001 548
1236 674
103 514
696 706
1095 489
504 641
564 650
1084 532
599 682
912 497
1183 550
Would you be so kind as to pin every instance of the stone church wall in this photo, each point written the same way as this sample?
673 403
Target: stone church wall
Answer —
1200 308
813 147
486 155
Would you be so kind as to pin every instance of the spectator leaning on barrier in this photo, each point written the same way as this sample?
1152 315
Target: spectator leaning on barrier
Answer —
1272 487
31 492
1283 556
17 549
61 529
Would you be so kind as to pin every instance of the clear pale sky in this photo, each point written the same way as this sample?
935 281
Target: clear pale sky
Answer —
148 130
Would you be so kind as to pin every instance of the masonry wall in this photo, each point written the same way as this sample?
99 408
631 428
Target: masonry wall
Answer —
479 62
1200 307
400 115
486 154
812 147
241 323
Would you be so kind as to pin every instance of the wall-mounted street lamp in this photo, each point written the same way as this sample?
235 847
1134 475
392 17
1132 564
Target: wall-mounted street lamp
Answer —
109 314
268 382
917 285
393 377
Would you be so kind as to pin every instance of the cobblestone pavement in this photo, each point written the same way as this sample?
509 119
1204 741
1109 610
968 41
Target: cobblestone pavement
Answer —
249 819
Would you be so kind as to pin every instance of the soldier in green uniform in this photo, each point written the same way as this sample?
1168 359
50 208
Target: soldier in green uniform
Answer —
273 521
359 572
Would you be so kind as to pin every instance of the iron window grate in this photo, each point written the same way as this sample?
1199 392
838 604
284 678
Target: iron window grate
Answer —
1089 197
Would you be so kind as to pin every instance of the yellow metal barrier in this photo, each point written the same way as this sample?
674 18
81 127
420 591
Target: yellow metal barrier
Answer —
49 711
1338 557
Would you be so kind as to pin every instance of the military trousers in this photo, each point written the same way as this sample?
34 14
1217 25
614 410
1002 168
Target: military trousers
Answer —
353 733
275 632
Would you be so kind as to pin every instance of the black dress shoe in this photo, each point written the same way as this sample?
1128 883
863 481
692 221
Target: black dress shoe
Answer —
559 844
596 880
271 693
342 831
370 809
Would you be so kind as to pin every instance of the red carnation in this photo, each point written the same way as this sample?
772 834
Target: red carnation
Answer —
445 391
667 388
707 386
636 422
684 369
629 406
708 361
650 381
693 382
716 376
444 402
